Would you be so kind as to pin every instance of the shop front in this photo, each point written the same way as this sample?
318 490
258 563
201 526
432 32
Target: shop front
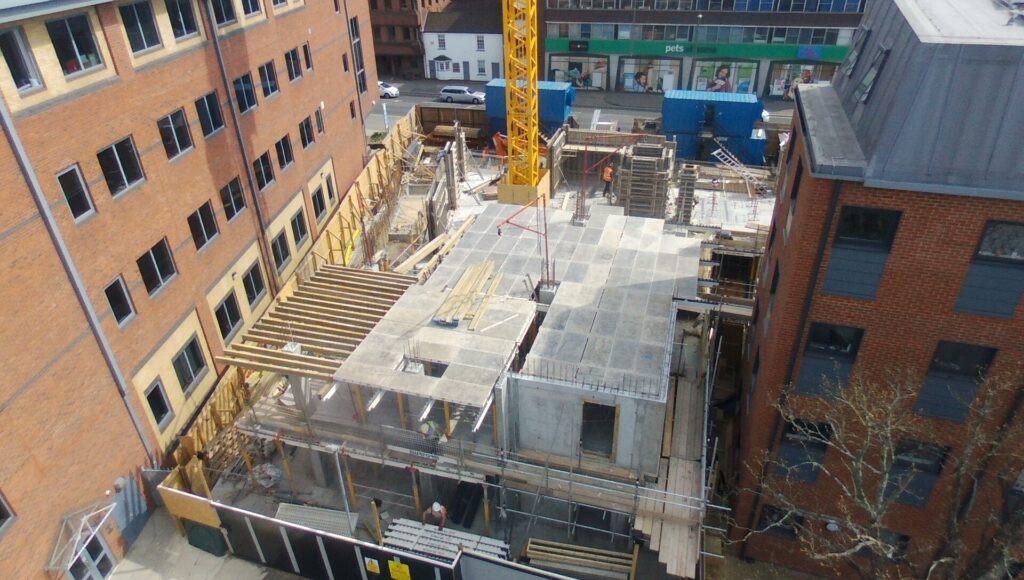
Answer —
725 76
783 76
584 71
644 74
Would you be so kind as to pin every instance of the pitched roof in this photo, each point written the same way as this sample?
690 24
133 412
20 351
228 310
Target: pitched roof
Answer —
466 16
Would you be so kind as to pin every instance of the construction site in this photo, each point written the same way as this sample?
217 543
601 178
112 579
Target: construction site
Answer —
548 371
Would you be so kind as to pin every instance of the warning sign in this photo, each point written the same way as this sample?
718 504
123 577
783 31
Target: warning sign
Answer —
372 565
398 570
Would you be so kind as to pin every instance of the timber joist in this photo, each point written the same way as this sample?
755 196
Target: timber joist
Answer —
328 316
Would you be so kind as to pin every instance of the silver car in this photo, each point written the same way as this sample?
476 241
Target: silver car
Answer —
458 94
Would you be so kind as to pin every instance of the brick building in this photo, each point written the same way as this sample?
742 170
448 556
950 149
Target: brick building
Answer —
897 243
398 35
168 165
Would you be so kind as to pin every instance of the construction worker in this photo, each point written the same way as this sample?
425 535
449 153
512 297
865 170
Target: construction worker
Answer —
432 432
607 176
437 515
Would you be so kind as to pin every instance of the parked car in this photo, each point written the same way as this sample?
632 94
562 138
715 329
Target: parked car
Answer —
387 91
457 94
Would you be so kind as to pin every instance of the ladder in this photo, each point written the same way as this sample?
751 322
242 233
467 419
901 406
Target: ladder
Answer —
729 160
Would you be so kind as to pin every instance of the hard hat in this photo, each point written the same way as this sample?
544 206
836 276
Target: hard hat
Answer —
436 507
424 428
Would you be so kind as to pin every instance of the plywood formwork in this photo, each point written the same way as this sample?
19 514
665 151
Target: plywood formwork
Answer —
644 178
327 315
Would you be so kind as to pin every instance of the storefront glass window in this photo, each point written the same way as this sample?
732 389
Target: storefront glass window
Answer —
646 75
584 72
724 76
783 76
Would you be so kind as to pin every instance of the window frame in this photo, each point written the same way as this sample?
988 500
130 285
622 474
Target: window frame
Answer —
128 186
227 189
223 4
908 446
481 43
247 277
319 118
185 132
202 225
205 100
78 53
85 193
805 437
1019 262
240 91
306 135
237 325
864 89
7 514
268 79
299 219
318 215
247 4
307 56
164 280
197 377
119 281
27 61
293 63
158 386
283 148
849 241
263 171
280 240
134 7
192 14
783 530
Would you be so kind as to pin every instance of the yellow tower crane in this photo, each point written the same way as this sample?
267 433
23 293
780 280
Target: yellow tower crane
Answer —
520 30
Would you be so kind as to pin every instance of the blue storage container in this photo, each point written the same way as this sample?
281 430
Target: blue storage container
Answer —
554 107
734 113
753 148
687 145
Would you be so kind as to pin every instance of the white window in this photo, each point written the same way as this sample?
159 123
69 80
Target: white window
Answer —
175 134
75 191
480 44
456 67
120 165
94 562
19 60
481 67
440 42
183 19
140 26
250 7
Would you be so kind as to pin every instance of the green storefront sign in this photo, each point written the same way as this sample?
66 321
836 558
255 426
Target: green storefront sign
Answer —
694 50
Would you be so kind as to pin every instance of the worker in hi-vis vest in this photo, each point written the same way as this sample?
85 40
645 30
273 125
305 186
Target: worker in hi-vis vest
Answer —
607 176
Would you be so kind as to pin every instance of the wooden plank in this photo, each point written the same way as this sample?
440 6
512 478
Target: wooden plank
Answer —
390 276
260 353
343 318
306 344
336 299
286 329
348 280
335 305
670 414
263 331
283 370
335 290
420 254
578 549
315 323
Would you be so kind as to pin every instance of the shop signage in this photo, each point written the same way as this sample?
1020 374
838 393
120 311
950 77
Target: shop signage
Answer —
579 46
598 46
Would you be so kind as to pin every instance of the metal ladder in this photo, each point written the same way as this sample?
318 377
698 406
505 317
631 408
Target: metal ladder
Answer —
729 160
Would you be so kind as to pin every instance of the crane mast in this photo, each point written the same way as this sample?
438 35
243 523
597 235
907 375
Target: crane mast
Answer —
520 31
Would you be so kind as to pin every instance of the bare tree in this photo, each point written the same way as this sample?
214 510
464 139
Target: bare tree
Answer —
867 449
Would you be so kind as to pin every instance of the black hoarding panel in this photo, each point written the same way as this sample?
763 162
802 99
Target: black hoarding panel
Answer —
272 543
307 553
238 534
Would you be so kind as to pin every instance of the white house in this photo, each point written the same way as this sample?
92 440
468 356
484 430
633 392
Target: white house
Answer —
464 42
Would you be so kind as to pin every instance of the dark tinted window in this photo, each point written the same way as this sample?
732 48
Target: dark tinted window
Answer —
867 226
73 187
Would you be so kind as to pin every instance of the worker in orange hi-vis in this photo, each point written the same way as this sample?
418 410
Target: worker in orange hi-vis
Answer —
607 176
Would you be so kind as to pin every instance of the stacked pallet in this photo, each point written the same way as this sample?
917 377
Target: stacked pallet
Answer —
441 545
468 299
687 178
644 178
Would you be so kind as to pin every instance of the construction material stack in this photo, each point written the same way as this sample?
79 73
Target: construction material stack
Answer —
643 180
687 179
694 119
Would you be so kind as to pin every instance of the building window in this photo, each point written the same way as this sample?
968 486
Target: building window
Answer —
855 51
75 192
245 93
456 67
828 358
6 513
864 236
232 198
74 44
480 45
156 266
357 54
189 366
223 12
892 546
120 301
914 471
330 188
780 522
175 134
440 42
158 405
307 56
280 3
183 18
344 61
952 380
19 60
140 26
802 450
995 281
306 132
120 165
481 67
319 205
208 109
282 255
291 59
867 84
264 170
268 78
203 225
284 152
794 191
253 283
299 231
319 116
94 561
251 7
229 318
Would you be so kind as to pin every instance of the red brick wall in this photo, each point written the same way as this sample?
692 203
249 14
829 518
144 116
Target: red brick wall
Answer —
913 310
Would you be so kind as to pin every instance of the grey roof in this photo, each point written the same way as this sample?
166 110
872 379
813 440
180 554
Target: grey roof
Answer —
466 16
965 21
944 118
15 10
831 141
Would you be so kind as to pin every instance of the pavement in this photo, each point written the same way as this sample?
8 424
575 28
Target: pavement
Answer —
585 99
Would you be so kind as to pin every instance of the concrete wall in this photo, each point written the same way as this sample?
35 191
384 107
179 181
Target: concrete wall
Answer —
549 417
